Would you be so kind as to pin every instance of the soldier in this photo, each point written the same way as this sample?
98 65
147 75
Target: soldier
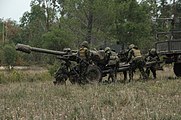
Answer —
62 73
135 60
152 56
112 61
84 59
123 59
107 51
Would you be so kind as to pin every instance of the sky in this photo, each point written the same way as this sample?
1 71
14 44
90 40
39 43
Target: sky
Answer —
13 9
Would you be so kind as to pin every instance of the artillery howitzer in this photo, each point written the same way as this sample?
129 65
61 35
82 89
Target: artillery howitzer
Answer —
95 71
66 70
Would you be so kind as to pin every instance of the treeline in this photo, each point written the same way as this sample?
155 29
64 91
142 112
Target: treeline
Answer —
55 24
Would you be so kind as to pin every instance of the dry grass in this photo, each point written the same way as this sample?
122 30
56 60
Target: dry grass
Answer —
157 100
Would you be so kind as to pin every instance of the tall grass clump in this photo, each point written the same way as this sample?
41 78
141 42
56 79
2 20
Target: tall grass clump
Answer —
22 76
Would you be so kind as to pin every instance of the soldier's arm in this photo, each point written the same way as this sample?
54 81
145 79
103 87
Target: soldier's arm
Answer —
130 54
157 57
87 54
146 58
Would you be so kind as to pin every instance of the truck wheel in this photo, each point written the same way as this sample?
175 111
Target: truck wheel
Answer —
93 74
177 69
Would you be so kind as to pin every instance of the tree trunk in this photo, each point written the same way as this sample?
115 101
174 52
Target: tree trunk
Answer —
90 22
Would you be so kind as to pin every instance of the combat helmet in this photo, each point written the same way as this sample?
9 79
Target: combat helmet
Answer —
131 46
153 51
85 44
67 50
107 49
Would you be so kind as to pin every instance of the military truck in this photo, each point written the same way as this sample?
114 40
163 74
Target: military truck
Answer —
170 47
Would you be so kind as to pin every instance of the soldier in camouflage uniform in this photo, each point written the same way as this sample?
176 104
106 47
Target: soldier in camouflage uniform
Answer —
84 59
111 58
123 55
62 73
107 51
135 60
152 56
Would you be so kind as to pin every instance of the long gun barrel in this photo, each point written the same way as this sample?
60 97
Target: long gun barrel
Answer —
29 49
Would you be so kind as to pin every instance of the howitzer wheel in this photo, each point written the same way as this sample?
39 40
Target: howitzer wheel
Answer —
177 69
93 74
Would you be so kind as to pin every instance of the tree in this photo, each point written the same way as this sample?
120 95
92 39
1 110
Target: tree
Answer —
133 22
57 39
89 20
10 55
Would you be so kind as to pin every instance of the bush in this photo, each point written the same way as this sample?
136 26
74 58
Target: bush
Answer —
53 68
10 55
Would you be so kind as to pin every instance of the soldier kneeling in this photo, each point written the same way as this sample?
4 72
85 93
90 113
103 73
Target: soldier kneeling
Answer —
61 75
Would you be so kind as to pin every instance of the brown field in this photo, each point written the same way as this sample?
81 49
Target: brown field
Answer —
41 100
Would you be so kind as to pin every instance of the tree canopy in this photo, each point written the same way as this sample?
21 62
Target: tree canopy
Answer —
55 24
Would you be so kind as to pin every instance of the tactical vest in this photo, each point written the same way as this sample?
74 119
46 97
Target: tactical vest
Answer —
136 53
113 58
82 53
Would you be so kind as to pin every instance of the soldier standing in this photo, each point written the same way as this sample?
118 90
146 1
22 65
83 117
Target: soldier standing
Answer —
152 56
123 59
107 51
112 61
135 60
84 59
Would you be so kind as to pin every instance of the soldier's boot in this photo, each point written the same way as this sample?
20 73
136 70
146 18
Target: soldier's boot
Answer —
113 79
55 82
147 72
154 75
145 77
130 76
143 73
59 82
125 76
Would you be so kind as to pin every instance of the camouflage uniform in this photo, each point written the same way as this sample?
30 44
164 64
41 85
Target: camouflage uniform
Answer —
123 58
136 61
84 56
62 74
112 62
150 57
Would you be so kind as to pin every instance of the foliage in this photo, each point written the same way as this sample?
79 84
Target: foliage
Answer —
89 20
10 55
57 39
1 56
55 24
53 68
133 23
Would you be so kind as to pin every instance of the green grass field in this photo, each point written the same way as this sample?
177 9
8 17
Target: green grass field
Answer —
41 100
